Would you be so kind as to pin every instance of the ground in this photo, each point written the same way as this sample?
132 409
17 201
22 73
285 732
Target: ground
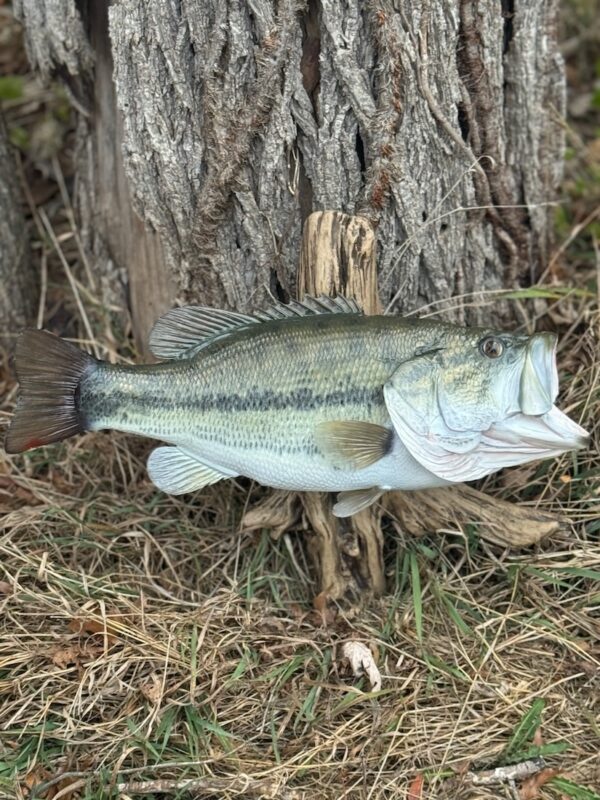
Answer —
147 642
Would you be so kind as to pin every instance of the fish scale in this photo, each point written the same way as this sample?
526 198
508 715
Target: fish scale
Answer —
261 389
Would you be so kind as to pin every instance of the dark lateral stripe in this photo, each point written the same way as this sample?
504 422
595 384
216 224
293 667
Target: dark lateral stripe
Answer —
303 399
298 400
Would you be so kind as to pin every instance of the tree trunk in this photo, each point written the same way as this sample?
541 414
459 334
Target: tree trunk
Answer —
210 131
17 280
439 122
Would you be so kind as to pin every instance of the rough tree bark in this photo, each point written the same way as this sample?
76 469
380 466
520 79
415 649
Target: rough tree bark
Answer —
17 281
210 131
440 122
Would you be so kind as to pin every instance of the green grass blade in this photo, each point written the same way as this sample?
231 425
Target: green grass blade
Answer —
453 612
416 596
573 790
543 750
525 729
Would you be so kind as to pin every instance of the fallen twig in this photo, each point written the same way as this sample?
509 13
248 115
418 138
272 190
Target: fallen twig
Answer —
242 784
510 774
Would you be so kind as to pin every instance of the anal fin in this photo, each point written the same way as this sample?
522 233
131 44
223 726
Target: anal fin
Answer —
175 471
352 502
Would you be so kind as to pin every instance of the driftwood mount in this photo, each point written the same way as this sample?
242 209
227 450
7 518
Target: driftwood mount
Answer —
338 257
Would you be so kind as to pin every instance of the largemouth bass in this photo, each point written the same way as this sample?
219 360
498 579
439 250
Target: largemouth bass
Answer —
310 396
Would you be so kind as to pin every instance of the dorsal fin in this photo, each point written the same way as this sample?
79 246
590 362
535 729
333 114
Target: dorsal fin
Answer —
310 306
183 332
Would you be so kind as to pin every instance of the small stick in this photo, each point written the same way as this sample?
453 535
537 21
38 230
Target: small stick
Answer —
509 774
71 279
243 784
58 173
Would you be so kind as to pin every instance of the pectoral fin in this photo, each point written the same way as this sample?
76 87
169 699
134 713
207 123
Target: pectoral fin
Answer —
350 503
353 444
175 471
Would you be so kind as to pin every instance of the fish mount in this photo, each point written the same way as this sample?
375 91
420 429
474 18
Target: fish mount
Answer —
338 257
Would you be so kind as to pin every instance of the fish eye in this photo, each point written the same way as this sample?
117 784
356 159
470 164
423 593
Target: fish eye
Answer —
491 347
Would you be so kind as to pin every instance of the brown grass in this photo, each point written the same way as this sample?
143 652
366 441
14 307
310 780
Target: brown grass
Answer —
149 646
146 638
149 639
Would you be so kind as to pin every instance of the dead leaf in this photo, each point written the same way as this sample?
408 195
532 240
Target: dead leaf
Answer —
16 491
462 766
362 662
72 655
5 587
415 790
67 788
70 788
326 613
152 690
538 739
38 775
530 788
593 150
93 627
320 602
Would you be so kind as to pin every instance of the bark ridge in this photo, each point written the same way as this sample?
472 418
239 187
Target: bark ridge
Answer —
17 282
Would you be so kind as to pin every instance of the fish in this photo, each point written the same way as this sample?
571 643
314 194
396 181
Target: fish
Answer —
313 395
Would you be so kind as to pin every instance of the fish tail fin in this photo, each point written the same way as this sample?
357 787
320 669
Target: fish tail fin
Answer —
50 371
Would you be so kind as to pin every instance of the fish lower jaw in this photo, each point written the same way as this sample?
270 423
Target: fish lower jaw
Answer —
553 431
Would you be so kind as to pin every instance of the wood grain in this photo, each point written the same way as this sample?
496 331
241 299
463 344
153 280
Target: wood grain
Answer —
338 257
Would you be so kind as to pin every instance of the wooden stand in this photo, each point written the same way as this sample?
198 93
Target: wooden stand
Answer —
338 257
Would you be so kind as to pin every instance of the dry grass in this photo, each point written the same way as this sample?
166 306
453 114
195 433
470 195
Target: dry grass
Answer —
145 638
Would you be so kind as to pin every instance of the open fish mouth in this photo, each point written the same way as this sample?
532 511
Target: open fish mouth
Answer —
516 440
539 379
522 438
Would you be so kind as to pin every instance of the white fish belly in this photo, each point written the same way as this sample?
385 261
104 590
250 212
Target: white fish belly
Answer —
397 470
